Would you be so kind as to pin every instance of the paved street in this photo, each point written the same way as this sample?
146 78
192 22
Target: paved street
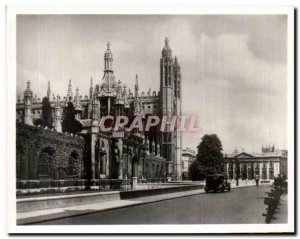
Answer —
242 205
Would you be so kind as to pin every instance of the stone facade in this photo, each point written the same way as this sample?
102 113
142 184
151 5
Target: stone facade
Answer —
118 154
188 157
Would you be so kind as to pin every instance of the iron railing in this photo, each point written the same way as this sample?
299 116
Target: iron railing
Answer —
50 185
152 180
114 184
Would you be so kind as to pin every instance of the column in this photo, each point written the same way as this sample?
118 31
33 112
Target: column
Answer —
234 170
120 163
93 156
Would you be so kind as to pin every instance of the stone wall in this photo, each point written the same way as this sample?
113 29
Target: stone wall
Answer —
45 154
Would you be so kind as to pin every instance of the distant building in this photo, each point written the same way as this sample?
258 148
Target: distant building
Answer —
188 156
267 164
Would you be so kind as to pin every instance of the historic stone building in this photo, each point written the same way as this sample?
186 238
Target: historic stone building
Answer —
114 153
188 157
267 164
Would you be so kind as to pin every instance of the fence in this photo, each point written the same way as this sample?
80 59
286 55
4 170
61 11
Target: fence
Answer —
68 185
49 183
152 180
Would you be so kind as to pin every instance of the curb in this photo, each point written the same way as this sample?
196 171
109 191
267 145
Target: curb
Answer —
62 215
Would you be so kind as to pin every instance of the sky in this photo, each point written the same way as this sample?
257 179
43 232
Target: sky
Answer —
234 67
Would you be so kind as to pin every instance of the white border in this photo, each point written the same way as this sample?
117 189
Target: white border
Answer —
141 8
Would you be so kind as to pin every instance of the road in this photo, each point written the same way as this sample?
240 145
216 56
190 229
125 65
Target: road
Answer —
242 205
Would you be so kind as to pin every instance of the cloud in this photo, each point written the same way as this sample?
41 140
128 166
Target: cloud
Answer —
231 77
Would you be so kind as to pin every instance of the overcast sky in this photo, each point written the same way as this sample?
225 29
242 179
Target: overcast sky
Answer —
234 74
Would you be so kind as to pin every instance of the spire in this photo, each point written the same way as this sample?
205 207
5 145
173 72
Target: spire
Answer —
167 52
124 90
77 104
28 92
166 41
70 93
48 90
120 99
108 59
91 89
28 85
176 66
136 86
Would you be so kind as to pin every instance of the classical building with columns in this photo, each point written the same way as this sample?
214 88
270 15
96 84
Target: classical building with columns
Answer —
110 154
267 164
188 157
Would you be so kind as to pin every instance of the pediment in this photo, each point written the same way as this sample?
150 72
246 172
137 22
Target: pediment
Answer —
244 155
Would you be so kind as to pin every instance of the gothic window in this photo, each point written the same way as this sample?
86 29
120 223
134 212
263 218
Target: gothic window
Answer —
74 156
46 160
146 170
167 137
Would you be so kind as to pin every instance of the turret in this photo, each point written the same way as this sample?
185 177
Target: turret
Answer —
48 90
28 105
77 104
136 86
108 59
57 118
119 94
177 79
125 97
69 93
91 89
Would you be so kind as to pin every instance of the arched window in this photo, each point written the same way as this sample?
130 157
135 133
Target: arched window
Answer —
73 158
46 159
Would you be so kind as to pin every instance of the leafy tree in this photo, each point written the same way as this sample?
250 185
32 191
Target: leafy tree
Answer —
195 173
70 124
210 155
46 113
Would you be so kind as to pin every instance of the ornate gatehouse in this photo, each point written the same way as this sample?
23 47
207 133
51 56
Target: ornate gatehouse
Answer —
60 137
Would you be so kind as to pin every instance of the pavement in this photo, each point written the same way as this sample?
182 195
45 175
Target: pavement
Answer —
45 215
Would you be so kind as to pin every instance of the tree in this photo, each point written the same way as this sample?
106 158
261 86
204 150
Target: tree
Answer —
210 155
70 124
195 173
46 113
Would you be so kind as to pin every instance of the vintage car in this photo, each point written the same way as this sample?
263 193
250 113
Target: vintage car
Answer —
216 182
